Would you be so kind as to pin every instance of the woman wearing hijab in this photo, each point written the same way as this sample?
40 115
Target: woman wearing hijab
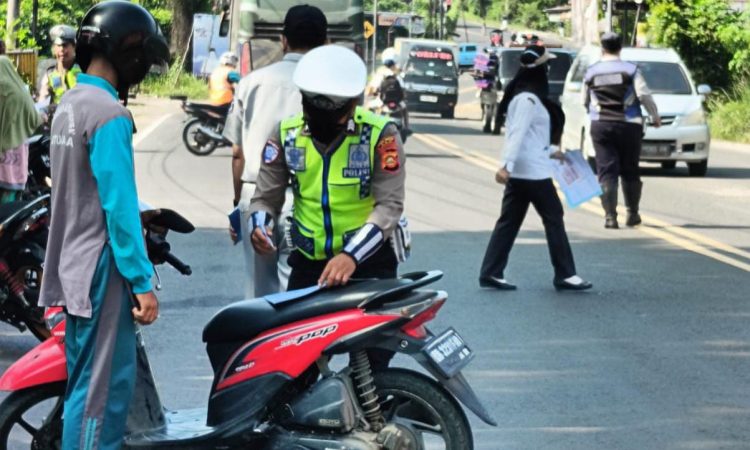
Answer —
533 124
18 120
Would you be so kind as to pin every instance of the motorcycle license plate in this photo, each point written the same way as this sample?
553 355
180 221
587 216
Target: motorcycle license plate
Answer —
428 98
448 353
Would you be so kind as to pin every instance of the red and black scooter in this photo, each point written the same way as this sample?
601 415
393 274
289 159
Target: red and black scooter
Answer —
273 387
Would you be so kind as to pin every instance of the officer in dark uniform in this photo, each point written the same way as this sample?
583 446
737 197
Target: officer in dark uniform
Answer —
614 91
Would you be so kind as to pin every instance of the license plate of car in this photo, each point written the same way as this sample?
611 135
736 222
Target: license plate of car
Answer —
448 353
655 149
428 98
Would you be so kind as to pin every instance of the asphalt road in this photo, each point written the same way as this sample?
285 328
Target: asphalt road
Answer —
656 356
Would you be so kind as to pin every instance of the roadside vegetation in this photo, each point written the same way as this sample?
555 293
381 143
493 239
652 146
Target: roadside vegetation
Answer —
714 41
175 82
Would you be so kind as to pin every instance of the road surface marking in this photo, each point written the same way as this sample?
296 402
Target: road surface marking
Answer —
674 234
142 135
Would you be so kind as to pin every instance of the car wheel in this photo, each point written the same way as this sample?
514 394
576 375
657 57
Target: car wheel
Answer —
668 165
698 169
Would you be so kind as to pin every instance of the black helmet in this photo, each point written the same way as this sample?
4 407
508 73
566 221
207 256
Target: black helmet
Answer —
127 36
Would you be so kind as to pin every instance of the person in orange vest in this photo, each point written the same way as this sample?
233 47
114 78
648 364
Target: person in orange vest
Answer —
222 80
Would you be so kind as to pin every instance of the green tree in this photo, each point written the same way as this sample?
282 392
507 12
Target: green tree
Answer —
704 33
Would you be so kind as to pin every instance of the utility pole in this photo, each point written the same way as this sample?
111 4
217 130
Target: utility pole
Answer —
608 15
34 18
374 33
441 5
14 7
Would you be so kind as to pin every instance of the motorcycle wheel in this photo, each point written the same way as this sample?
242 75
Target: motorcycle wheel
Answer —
196 142
425 407
32 418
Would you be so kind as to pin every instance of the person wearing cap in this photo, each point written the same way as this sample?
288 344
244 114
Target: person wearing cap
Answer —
533 132
346 166
222 80
61 77
613 93
263 98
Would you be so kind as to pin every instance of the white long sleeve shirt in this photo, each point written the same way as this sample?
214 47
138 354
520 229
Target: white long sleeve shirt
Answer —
527 138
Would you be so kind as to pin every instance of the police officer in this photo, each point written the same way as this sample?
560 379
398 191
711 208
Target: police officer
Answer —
61 77
222 80
96 263
346 166
614 91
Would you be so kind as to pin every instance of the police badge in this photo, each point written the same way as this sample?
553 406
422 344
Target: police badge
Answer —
295 158
359 161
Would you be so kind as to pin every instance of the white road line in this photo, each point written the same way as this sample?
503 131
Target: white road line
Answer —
142 135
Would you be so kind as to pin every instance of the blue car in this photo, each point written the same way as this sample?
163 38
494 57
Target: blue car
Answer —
467 52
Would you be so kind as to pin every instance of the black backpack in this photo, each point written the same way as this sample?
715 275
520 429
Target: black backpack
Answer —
390 90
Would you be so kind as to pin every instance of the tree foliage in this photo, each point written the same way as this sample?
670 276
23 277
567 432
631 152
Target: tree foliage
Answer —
713 39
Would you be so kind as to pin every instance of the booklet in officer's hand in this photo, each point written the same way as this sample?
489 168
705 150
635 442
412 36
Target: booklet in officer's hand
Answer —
575 178
235 222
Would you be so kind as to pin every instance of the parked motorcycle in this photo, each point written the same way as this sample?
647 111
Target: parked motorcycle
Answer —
23 238
39 181
202 132
273 388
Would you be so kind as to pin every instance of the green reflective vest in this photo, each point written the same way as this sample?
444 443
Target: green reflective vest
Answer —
332 192
58 86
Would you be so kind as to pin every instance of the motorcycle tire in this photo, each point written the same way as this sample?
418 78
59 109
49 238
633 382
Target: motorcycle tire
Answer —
193 139
422 397
14 412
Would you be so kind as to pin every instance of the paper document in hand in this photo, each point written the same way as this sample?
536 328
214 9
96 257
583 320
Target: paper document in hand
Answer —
575 178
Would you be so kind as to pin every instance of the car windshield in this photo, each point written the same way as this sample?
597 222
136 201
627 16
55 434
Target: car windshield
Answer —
430 68
665 78
510 63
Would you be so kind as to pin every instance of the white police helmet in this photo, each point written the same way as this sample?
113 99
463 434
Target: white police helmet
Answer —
389 56
228 59
331 71
62 34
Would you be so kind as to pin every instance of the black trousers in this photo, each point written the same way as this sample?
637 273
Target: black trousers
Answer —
382 264
519 194
618 150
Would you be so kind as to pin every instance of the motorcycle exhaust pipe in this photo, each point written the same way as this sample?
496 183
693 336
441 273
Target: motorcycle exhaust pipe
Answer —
211 133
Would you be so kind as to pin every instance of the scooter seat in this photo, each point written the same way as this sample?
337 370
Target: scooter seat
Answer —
246 319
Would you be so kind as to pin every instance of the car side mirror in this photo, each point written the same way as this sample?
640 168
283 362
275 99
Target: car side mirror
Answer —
573 87
224 25
704 89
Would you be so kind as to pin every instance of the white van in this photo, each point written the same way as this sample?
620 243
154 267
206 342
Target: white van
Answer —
684 134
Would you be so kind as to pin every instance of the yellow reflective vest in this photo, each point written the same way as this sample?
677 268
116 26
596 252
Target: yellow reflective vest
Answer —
332 192
59 85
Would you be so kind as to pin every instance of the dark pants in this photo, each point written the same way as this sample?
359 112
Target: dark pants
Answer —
518 195
382 264
618 150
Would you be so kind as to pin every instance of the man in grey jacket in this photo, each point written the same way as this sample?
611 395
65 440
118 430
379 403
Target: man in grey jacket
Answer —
263 98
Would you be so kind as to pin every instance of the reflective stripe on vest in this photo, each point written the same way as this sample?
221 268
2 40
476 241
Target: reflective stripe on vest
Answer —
56 85
613 95
332 193
219 88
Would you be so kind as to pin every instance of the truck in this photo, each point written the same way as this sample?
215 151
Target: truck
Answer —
254 27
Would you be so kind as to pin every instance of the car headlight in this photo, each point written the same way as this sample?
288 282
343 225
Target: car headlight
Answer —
409 86
697 117
451 91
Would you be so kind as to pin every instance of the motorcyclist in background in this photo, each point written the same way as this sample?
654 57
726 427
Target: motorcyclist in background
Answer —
222 80
387 87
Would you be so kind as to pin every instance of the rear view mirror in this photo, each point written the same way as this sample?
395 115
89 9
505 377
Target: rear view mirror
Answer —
704 89
224 26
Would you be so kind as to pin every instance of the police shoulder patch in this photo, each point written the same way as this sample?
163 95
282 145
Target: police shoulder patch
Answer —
388 150
271 152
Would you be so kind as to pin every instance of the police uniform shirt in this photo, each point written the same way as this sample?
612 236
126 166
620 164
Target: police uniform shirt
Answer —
642 92
388 178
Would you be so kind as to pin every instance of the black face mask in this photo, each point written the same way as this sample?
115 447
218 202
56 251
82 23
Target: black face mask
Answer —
324 123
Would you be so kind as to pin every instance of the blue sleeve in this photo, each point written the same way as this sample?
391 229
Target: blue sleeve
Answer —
111 154
233 77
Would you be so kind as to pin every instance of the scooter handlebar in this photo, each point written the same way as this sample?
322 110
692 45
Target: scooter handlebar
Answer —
175 262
